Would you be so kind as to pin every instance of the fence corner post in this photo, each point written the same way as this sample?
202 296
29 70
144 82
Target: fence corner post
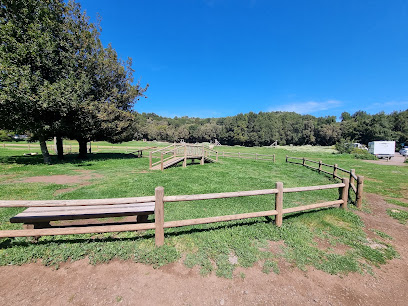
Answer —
279 204
359 193
159 216
344 192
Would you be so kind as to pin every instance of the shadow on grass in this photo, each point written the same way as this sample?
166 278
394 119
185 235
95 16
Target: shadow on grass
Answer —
10 242
68 159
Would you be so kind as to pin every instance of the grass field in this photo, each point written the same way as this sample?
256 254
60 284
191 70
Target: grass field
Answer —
218 247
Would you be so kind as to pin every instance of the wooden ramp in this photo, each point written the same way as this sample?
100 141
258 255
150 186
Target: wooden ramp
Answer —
176 153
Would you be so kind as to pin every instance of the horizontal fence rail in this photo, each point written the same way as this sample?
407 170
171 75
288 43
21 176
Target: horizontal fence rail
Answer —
357 189
160 199
256 156
68 148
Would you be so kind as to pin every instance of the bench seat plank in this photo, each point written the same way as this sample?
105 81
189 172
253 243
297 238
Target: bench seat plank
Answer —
46 214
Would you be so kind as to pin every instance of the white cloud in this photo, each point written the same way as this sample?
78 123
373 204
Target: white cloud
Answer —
307 107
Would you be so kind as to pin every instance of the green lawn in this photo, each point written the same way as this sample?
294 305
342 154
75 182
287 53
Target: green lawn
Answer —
213 247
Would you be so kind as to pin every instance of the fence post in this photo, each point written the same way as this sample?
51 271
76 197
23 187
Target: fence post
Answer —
239 154
352 173
286 158
335 171
150 160
303 163
161 162
273 158
344 191
202 157
256 156
216 159
159 216
279 204
223 154
185 157
320 166
359 193
4 145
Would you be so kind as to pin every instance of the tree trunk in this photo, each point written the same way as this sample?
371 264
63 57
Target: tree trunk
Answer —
44 150
82 148
60 148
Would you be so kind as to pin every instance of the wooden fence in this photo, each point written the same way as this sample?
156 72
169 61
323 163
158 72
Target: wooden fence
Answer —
160 199
256 156
69 148
358 190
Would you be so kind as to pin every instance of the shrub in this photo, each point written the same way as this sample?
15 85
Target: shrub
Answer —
362 154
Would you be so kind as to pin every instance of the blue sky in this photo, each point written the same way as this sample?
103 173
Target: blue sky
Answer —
214 58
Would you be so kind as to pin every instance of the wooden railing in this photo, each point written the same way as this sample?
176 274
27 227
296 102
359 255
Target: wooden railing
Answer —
358 190
181 150
256 156
160 199
68 148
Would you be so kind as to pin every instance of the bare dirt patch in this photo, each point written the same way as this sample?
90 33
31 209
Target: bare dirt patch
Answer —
83 179
129 283
397 160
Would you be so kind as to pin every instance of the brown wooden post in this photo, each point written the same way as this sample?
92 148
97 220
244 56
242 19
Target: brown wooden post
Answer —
320 166
161 162
352 173
185 157
344 191
335 171
359 193
274 158
286 158
223 154
279 204
150 160
239 154
303 163
256 156
159 216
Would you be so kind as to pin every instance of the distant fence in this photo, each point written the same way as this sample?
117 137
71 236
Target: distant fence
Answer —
358 190
159 198
69 148
255 156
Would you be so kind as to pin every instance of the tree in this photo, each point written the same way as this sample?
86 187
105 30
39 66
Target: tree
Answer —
33 87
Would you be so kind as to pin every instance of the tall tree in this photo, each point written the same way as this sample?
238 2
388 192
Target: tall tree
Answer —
33 88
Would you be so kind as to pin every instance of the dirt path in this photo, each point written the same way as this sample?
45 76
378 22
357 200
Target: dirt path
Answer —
128 283
397 160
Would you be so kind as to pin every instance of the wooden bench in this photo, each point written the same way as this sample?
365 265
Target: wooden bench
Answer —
40 217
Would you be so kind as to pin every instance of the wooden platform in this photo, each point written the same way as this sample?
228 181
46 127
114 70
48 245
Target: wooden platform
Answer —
176 160
43 215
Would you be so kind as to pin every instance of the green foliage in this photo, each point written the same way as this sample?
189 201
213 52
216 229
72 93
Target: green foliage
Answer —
4 136
400 215
362 154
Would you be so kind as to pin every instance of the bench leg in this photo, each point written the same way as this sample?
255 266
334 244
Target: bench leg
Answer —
34 226
141 218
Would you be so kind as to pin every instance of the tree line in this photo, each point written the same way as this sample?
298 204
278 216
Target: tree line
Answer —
266 128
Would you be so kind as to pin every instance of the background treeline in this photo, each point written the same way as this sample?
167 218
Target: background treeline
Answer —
265 128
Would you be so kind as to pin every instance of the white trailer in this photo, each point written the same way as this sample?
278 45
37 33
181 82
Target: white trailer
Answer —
382 149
